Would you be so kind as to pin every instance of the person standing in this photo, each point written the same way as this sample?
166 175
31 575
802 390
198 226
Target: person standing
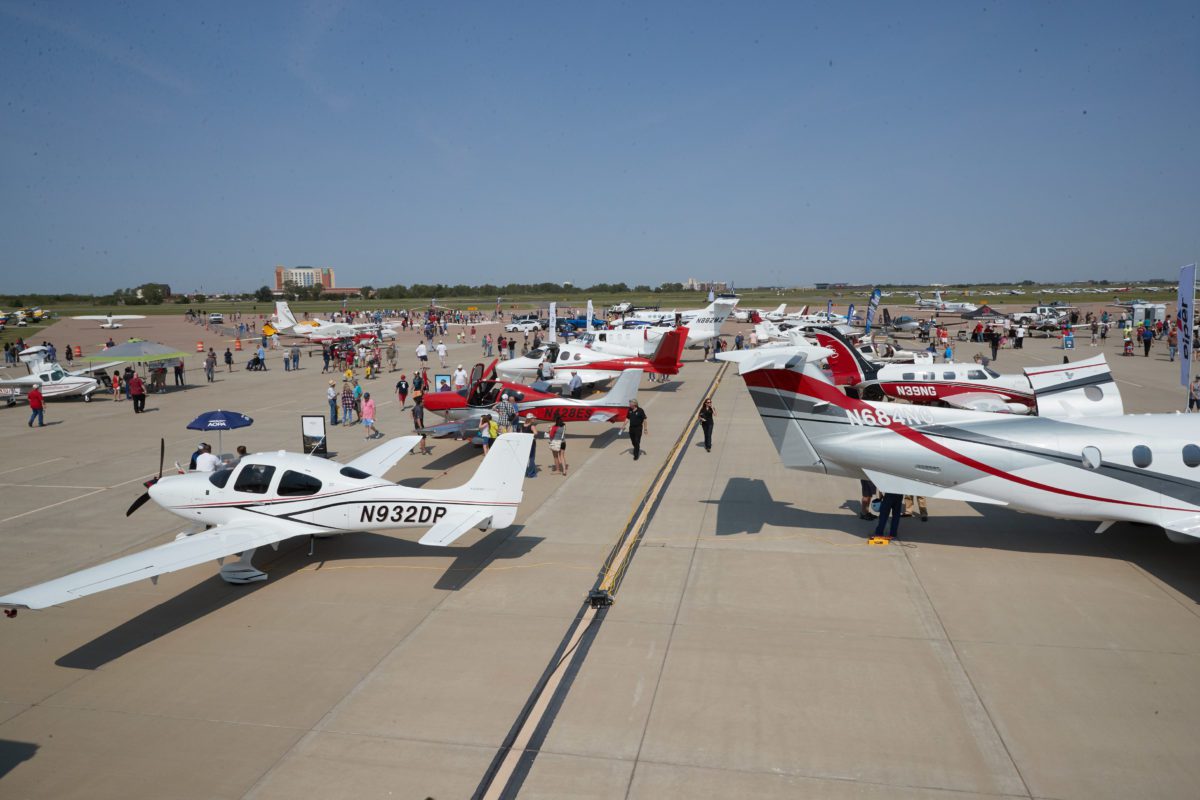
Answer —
210 365
295 357
368 416
889 507
418 417
331 395
402 391
1194 395
910 500
636 421
994 341
558 445
1147 340
137 389
228 360
441 351
206 461
867 490
460 379
575 385
506 413
512 347
37 406
347 403
1173 342
116 385
325 358
706 423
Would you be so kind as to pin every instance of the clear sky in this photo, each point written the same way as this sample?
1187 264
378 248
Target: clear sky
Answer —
201 144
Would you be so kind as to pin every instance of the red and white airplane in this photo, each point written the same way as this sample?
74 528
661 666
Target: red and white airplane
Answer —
1126 467
594 368
485 390
973 386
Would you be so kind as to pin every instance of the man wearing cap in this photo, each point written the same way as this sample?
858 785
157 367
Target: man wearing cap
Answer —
37 406
331 394
506 413
575 385
206 461
460 379
636 420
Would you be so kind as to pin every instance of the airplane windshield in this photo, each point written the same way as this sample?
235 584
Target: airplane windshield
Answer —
220 478
57 375
992 372
534 353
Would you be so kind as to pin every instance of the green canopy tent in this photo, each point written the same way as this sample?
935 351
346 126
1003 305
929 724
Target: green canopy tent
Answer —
145 354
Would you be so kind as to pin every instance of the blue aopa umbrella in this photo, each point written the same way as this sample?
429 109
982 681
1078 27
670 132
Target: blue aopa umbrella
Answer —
220 421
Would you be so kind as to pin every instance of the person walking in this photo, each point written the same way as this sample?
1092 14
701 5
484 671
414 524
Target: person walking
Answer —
706 423
37 406
331 395
1173 342
358 395
391 356
116 386
137 389
1147 340
368 417
402 391
295 357
422 354
636 422
558 445
994 341
418 418
228 360
210 365
460 379
441 352
347 403
889 507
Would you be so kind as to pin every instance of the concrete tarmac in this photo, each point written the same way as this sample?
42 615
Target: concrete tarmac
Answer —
757 646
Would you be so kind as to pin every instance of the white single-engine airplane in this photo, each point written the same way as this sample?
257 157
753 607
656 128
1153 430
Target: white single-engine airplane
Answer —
644 340
938 304
1125 468
269 497
320 330
111 321
54 381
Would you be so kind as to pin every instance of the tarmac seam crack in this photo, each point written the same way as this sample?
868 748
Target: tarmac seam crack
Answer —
990 743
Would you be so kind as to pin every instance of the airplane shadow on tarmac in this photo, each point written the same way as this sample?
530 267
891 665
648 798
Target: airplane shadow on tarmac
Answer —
213 593
746 506
13 753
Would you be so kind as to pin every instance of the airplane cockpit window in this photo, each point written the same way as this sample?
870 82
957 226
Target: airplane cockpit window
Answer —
297 484
516 397
254 478
57 374
1142 457
976 375
220 477
44 377
1191 455
351 472
991 372
536 352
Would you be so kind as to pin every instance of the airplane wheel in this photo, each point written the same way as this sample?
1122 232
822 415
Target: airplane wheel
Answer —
87 398
873 393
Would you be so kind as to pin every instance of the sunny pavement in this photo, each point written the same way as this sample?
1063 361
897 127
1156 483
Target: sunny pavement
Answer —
758 646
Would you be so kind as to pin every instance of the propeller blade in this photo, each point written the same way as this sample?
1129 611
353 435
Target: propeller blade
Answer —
162 454
141 501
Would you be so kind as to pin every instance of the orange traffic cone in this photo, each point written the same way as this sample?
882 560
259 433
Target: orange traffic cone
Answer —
237 343
199 347
78 351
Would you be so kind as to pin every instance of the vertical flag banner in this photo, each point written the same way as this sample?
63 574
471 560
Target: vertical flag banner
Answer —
850 315
1185 308
711 296
828 310
871 307
553 322
588 326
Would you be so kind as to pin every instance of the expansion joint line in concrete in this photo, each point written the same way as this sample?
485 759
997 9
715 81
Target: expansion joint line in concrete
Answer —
513 761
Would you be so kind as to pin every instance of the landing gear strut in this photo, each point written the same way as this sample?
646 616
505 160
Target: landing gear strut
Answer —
242 571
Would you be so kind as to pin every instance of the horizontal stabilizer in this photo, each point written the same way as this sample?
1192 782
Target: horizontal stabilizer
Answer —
894 484
774 357
379 460
455 524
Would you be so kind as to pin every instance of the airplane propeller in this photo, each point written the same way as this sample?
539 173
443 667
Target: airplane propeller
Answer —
145 496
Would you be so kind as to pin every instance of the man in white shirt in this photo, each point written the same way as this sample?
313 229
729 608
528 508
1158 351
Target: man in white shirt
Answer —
575 385
422 353
441 351
206 461
460 378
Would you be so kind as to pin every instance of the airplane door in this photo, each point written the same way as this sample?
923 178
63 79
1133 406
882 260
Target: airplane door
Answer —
476 373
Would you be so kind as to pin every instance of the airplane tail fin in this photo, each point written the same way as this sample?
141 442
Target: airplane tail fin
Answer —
1073 390
500 477
848 365
284 314
670 350
624 389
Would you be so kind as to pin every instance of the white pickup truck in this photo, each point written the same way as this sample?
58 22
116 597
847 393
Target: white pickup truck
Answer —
1040 314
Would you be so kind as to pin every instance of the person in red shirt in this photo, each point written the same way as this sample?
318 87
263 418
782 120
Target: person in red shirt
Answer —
37 406
137 390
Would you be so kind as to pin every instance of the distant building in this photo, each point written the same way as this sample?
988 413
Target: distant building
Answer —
694 285
304 276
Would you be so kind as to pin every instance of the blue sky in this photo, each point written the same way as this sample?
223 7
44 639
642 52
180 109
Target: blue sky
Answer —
764 143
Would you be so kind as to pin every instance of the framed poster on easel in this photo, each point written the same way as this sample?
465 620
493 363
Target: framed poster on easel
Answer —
312 432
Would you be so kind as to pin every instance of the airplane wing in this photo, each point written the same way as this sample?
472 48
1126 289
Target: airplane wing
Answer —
984 401
459 429
379 460
87 372
455 524
183 552
114 317
588 376
894 484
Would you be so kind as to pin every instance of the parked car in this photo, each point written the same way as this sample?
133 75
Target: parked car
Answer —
523 326
216 319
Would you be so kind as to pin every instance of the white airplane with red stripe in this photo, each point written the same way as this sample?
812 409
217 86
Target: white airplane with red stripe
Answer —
1142 468
594 367
270 497
970 386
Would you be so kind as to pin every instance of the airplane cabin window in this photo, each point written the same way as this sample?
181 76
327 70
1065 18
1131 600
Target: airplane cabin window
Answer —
351 472
928 376
908 376
1142 456
220 478
254 478
564 356
949 376
1091 457
976 375
1191 455
297 484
